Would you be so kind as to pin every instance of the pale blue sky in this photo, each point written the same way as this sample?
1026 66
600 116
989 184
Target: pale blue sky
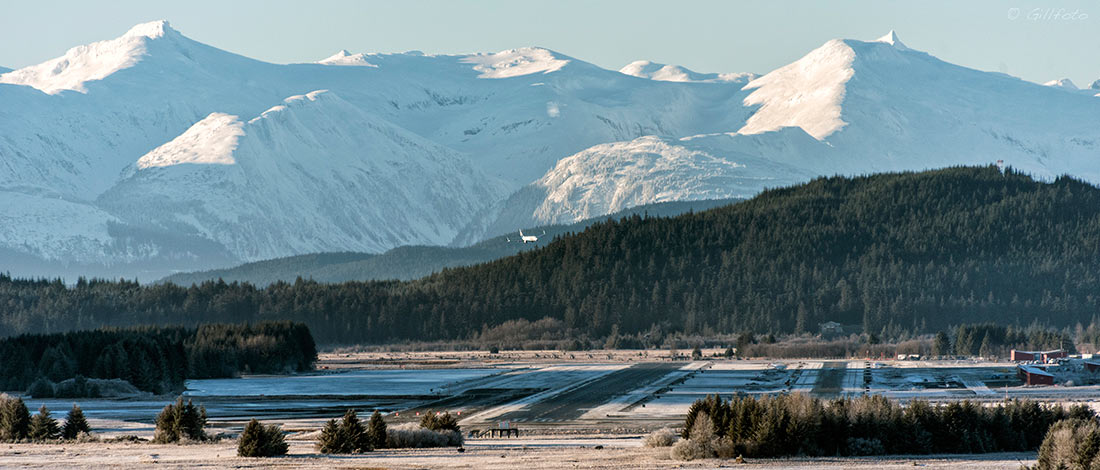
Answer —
1021 38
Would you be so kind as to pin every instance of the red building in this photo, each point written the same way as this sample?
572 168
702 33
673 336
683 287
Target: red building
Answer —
1042 356
1034 375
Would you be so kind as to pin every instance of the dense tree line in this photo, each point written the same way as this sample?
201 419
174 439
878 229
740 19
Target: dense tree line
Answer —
17 424
155 359
993 340
899 254
798 424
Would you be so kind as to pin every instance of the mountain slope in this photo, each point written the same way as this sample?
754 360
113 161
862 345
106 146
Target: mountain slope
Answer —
899 253
414 262
260 189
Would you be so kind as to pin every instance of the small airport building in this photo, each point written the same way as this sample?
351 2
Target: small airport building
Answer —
1032 375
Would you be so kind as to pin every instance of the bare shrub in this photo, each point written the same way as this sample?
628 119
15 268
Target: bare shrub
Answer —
663 437
688 449
411 435
702 442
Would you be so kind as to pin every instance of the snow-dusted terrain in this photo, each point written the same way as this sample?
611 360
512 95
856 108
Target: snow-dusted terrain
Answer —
676 73
151 152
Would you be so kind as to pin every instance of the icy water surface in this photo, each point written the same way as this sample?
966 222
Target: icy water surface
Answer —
353 383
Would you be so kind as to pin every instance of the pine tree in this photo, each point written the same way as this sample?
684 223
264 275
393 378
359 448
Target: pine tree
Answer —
330 442
167 425
941 346
15 419
75 424
43 427
191 421
258 440
352 434
376 430
180 421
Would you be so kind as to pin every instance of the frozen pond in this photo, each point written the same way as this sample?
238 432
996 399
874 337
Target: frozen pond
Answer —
401 382
295 396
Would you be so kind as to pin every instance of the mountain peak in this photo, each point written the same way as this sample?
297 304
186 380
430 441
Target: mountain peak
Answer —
891 38
152 29
91 62
516 62
1064 83
343 57
806 93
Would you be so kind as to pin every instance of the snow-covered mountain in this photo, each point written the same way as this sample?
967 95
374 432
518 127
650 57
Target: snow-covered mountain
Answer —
261 189
848 107
151 152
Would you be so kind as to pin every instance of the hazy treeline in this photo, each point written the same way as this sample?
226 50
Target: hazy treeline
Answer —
154 359
799 424
899 254
991 340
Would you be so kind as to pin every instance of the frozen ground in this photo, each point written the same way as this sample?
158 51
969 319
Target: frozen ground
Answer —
362 382
535 453
591 390
564 403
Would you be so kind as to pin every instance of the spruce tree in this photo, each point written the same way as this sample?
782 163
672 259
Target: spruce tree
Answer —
376 431
43 427
352 433
330 442
167 425
75 424
15 419
258 440
191 421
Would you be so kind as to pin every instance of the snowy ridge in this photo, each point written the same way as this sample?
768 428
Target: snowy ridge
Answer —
346 58
94 61
676 73
806 94
272 185
516 62
210 141
1064 83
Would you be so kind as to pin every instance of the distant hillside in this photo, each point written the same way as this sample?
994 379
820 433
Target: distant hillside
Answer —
898 253
414 262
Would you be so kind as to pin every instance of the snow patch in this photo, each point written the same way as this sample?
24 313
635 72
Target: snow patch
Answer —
210 141
346 58
515 62
552 109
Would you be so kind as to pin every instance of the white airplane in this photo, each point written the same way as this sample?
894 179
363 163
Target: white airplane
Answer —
528 238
